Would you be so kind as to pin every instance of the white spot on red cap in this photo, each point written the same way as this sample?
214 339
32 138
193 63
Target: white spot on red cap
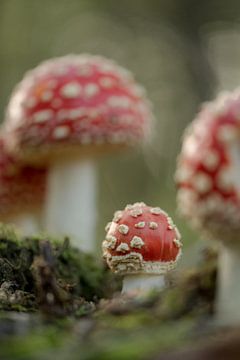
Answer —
91 89
211 160
123 247
123 229
47 96
111 241
178 243
71 90
106 82
224 180
202 182
107 227
42 116
137 242
61 132
86 139
153 225
119 101
117 216
227 133
135 212
140 225
156 211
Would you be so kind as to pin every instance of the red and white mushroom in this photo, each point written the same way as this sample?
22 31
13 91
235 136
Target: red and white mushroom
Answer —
208 180
64 113
22 193
143 244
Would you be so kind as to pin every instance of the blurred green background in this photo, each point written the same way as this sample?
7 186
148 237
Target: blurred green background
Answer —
182 51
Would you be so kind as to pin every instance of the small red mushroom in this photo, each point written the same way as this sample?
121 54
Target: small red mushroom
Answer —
208 181
22 192
143 244
63 114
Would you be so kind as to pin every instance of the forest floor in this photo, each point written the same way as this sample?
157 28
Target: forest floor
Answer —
57 302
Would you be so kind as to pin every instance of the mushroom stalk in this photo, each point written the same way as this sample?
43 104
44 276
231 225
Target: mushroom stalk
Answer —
27 223
142 283
228 297
71 202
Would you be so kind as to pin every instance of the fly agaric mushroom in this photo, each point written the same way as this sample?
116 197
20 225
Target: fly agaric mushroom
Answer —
64 113
143 244
22 191
208 180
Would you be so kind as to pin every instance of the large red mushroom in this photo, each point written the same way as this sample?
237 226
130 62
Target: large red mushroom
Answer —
22 193
208 180
143 244
63 114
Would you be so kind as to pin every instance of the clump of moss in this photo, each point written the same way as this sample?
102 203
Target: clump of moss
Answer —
41 273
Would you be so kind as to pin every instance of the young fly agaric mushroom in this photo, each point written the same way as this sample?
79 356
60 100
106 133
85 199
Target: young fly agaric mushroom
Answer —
22 192
64 113
143 244
208 180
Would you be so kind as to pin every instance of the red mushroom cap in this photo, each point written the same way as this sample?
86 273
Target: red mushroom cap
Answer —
141 239
76 100
22 189
207 193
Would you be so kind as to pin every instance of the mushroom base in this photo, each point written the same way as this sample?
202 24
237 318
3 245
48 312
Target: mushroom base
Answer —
142 283
228 297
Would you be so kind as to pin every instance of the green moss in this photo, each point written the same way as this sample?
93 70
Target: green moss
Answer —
36 272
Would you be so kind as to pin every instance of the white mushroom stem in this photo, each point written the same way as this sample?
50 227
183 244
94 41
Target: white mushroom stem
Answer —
71 202
228 297
142 283
27 223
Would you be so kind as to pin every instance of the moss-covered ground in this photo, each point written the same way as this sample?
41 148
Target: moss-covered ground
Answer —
57 302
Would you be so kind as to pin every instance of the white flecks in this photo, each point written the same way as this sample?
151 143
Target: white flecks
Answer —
123 229
71 90
112 241
202 182
170 223
117 137
153 225
137 242
129 207
30 102
137 204
61 70
76 113
227 133
106 82
47 96
42 116
211 160
119 101
56 103
91 89
61 132
183 173
117 216
86 139
156 211
140 225
107 227
178 243
85 70
123 247
224 180
135 212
